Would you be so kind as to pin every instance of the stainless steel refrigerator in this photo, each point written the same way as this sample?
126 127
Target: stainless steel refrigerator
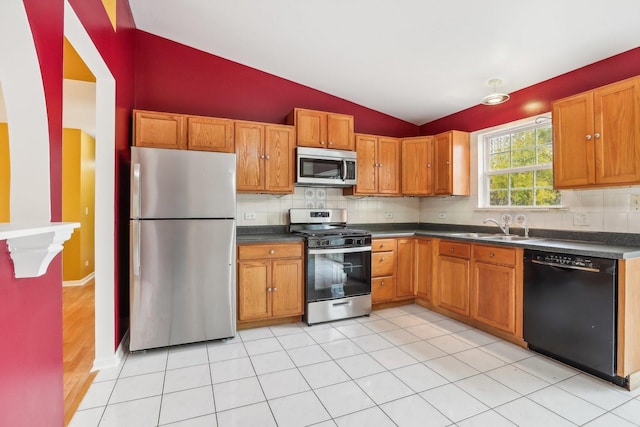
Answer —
182 235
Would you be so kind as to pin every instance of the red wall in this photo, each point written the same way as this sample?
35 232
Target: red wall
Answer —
537 99
31 309
176 78
31 388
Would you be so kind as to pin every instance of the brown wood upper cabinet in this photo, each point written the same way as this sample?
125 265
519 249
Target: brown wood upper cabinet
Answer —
451 160
159 130
180 131
210 134
378 166
417 166
264 157
596 137
320 129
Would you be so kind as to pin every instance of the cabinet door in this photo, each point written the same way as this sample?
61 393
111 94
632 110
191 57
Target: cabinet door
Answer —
367 165
249 156
287 287
340 131
279 159
388 165
210 134
159 130
442 153
382 289
573 143
405 270
311 128
417 166
424 257
617 132
253 282
493 295
453 284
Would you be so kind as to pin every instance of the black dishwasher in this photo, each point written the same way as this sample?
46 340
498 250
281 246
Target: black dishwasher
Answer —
570 310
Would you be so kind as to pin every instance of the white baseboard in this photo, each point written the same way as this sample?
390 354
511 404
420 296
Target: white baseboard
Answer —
116 359
80 282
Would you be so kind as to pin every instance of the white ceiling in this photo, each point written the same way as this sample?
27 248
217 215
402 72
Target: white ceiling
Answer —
417 60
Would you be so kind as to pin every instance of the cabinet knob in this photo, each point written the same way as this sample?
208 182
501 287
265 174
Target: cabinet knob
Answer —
452 250
268 289
448 162
262 156
330 142
597 135
275 289
266 157
382 245
272 251
321 142
382 259
381 283
491 255
588 137
379 165
428 165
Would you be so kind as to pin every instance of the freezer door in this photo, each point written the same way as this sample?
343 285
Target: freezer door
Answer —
182 285
182 184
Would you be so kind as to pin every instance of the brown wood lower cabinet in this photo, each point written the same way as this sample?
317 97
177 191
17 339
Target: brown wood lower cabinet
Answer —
453 276
496 287
383 269
270 281
423 269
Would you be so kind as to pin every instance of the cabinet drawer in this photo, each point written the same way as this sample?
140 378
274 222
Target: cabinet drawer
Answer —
383 264
378 245
494 255
462 250
382 289
278 250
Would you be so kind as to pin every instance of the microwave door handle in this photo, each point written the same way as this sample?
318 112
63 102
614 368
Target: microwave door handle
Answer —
344 170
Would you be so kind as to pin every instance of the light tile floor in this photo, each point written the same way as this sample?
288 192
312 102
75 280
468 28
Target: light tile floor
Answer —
404 366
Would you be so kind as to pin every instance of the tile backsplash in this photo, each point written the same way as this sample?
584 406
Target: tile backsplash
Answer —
274 210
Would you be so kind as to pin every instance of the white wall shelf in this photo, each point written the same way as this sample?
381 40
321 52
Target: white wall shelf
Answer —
33 246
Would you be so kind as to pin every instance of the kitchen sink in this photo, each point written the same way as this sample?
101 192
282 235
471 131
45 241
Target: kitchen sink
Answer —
505 237
493 236
473 235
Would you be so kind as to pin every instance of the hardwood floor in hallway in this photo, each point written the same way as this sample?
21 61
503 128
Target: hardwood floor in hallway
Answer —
78 336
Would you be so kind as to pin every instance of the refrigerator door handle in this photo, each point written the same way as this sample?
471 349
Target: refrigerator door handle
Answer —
136 194
136 248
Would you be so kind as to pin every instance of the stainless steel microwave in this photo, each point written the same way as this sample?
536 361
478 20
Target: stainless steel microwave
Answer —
326 167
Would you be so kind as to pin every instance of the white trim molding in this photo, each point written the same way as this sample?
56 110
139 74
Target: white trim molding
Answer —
32 247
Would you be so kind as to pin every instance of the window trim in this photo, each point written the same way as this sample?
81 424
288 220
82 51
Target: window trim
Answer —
483 162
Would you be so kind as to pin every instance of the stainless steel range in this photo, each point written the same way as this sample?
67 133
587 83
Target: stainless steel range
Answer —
338 265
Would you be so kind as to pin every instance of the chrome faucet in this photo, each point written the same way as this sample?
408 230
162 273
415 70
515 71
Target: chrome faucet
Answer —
504 227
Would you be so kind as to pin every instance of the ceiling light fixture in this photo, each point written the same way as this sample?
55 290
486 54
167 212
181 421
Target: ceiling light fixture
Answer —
495 97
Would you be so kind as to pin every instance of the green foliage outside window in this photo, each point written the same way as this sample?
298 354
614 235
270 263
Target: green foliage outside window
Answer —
520 168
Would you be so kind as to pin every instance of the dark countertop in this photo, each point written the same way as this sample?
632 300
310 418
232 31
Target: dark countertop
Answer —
596 244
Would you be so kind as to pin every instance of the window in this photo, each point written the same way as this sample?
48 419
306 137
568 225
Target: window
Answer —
518 168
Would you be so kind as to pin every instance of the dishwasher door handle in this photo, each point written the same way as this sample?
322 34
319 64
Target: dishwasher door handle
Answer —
567 267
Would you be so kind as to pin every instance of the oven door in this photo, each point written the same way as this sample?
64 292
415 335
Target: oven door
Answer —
338 273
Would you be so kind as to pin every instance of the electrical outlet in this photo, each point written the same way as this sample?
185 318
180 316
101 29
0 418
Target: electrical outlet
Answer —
442 215
388 215
635 202
250 215
581 218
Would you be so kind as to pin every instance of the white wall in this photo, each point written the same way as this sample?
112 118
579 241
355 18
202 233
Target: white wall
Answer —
608 209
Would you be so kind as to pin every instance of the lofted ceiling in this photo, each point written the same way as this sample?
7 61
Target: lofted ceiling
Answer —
417 60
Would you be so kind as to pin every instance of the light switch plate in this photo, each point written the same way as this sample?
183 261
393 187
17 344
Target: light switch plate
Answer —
635 202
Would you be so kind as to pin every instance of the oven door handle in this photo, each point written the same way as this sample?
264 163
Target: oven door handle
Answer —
339 250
